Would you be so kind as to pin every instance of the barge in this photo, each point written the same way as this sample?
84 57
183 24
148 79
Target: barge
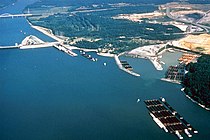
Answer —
175 73
168 118
88 56
121 64
65 49
126 65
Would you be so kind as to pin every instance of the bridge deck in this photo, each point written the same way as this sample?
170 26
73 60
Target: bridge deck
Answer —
9 47
15 15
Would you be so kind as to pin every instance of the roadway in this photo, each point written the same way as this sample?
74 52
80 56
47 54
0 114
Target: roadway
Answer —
65 48
9 47
43 45
203 16
15 15
206 28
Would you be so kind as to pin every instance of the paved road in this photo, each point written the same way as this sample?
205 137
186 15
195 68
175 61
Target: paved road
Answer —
206 28
7 15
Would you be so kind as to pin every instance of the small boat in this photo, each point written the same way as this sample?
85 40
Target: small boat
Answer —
138 100
182 89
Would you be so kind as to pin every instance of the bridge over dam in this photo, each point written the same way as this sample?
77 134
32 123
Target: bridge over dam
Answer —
9 47
8 15
43 45
32 42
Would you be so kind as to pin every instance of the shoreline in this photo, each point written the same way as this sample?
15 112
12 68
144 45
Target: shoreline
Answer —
153 56
150 52
171 81
199 104
47 32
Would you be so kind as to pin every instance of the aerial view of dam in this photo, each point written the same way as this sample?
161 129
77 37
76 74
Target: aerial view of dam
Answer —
104 69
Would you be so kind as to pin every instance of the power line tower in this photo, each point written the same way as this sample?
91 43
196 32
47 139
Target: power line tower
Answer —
28 11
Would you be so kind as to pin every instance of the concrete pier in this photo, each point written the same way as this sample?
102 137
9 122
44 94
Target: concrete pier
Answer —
124 69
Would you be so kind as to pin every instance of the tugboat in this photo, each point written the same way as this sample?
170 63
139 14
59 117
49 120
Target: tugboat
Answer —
178 135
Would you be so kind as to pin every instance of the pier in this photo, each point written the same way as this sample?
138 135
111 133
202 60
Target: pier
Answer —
128 69
168 119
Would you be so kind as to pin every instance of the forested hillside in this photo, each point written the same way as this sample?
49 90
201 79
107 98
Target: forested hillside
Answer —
197 80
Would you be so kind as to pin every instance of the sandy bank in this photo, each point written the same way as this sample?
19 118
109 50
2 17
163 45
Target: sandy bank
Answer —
47 32
151 52
138 17
199 43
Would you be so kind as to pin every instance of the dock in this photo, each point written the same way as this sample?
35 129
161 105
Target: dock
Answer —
168 118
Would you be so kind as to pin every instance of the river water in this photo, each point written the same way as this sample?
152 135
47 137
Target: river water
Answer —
48 95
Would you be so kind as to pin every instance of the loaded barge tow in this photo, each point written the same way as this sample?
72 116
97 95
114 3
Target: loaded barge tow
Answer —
168 119
65 49
88 56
